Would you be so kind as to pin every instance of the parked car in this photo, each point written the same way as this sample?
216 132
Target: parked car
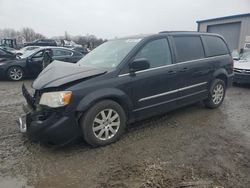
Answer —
9 49
26 49
6 55
30 64
242 67
42 42
12 43
123 81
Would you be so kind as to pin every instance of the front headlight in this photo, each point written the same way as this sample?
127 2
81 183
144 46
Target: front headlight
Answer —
56 99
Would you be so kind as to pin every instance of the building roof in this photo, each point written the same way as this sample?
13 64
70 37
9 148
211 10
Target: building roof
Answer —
226 17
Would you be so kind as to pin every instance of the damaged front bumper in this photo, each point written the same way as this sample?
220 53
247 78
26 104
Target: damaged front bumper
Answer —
242 78
47 125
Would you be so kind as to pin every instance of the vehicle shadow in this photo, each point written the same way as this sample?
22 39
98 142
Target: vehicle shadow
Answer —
5 80
247 86
150 123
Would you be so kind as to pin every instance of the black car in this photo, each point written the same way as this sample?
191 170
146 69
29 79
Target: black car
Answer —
6 55
31 63
123 81
42 42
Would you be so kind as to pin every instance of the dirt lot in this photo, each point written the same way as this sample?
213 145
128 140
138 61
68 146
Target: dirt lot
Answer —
190 147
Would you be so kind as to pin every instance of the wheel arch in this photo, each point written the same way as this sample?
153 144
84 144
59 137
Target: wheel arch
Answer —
221 74
7 70
105 94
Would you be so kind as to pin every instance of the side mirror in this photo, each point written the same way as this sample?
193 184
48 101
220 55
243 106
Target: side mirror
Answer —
139 64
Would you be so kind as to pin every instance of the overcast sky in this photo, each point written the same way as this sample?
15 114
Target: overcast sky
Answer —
113 18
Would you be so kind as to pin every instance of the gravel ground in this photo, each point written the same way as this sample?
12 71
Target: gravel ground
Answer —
190 147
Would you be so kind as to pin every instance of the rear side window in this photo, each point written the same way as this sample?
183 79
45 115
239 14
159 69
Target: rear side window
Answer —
214 46
188 48
59 52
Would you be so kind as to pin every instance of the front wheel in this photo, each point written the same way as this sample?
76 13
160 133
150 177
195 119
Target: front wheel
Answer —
216 94
15 73
103 123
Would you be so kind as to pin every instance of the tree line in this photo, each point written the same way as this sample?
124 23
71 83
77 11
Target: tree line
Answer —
28 34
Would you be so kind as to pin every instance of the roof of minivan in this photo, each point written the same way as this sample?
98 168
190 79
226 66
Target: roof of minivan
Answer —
165 33
142 36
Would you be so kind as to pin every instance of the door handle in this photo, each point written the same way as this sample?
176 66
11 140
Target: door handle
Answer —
184 69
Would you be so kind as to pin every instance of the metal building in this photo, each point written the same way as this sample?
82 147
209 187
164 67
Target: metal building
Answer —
235 29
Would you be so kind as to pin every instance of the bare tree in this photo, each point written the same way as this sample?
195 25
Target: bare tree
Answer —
27 33
30 35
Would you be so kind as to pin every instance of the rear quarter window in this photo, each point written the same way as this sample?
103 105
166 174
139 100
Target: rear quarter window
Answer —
188 48
214 46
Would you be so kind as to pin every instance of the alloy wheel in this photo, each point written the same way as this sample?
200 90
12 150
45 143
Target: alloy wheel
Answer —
15 73
218 93
106 124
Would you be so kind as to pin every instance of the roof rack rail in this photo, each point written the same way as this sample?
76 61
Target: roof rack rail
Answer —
178 32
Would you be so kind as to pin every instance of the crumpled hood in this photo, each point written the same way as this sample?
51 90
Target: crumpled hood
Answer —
242 64
59 73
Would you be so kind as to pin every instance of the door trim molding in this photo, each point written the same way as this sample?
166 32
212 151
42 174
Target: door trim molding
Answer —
172 100
171 92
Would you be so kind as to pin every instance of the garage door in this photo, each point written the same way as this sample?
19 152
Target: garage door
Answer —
231 32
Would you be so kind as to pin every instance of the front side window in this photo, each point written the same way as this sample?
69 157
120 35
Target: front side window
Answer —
188 48
157 52
109 54
38 54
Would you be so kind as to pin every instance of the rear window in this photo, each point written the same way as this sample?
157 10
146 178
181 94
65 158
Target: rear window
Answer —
215 46
188 48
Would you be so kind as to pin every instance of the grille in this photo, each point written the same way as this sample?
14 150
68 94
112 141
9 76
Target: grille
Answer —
243 71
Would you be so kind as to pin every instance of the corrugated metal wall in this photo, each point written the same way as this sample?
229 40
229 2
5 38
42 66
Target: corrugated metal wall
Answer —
244 30
230 31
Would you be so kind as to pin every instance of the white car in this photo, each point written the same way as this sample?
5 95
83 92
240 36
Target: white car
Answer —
242 68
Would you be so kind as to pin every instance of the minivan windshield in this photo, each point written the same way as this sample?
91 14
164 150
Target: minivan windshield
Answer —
109 54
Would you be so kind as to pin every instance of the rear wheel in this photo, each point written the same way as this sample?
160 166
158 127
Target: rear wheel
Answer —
15 73
103 123
216 94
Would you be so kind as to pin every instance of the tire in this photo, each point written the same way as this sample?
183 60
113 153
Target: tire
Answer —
103 123
216 95
15 73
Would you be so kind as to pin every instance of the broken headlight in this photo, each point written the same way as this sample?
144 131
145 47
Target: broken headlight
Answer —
56 99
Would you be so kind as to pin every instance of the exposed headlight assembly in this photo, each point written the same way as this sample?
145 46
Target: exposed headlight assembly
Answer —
56 99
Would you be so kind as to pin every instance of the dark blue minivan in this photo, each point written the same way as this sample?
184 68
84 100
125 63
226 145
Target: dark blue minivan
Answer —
123 81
